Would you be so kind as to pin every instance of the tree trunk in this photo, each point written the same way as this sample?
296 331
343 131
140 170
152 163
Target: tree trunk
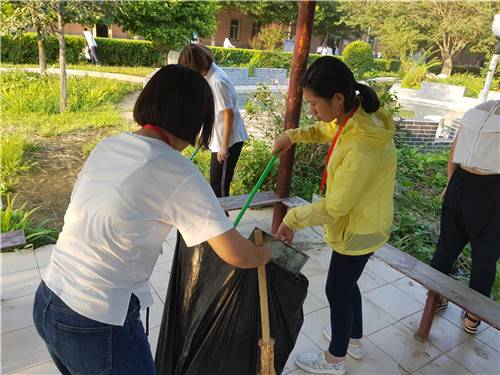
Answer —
326 39
447 65
42 55
165 56
62 57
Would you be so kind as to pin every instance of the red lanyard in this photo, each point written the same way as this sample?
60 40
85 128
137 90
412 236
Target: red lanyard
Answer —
323 180
159 131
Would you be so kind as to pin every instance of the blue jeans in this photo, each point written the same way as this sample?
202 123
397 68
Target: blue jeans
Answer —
82 346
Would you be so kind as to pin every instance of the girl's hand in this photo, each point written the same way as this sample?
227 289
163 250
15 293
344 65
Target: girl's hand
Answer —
443 193
222 154
281 143
284 234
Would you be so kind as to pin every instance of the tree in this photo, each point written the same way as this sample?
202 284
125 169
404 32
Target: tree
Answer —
327 17
169 25
22 15
450 26
270 37
328 22
49 17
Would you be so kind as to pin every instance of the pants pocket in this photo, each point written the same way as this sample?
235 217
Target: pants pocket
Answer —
84 350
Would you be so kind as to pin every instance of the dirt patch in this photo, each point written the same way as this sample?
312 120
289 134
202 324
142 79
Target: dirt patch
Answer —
49 184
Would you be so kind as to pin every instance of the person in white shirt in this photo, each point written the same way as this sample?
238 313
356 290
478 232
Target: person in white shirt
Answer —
227 44
132 190
229 130
92 45
471 203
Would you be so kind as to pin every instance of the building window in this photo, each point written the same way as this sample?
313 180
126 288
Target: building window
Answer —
256 28
234 29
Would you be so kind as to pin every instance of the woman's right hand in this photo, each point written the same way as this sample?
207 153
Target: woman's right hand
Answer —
238 251
283 142
265 251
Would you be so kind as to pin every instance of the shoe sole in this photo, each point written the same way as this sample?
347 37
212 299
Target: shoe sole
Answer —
472 330
326 336
314 371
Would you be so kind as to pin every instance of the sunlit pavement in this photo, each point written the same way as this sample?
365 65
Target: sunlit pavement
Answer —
392 307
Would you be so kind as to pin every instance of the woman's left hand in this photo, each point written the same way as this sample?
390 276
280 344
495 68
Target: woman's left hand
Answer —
222 154
284 234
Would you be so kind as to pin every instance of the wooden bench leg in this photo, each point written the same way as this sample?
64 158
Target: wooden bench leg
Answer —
428 315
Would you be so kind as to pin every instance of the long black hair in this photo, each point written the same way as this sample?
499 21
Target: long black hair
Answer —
178 99
328 76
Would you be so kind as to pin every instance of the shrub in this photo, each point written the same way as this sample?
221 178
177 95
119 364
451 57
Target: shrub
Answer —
270 37
254 159
358 56
238 57
384 65
414 72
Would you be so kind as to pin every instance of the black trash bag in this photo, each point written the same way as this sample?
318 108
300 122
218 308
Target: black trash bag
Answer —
211 320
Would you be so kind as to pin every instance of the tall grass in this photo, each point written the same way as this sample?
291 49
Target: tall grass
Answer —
36 234
30 108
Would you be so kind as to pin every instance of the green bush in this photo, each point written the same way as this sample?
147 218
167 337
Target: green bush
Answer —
127 52
253 160
236 57
472 70
384 65
271 59
358 56
123 52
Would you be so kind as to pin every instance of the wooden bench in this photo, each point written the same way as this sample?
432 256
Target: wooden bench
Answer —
12 240
439 284
261 199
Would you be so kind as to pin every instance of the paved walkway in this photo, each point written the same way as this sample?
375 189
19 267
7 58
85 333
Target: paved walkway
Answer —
392 306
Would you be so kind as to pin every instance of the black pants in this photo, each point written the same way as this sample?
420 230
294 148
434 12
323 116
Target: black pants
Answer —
221 174
343 294
471 212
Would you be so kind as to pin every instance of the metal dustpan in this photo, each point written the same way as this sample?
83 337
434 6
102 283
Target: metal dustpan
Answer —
283 254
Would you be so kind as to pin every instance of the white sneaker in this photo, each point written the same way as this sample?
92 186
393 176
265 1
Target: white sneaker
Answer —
317 364
355 351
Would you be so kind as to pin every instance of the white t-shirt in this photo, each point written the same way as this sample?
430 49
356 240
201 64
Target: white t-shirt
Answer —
128 196
90 39
478 142
225 98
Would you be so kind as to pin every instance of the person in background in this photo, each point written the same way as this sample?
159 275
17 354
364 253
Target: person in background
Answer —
229 130
471 202
357 210
132 190
227 44
92 45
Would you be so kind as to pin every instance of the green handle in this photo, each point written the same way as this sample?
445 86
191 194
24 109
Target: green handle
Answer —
254 191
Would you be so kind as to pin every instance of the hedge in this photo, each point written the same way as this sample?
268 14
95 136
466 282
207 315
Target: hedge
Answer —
127 52
122 52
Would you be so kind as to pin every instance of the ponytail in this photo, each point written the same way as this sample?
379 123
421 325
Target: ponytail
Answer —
369 99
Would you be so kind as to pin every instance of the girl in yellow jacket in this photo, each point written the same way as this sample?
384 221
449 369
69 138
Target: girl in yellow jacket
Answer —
357 211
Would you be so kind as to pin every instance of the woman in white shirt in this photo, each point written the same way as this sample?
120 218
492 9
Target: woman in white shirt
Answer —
471 202
229 130
132 190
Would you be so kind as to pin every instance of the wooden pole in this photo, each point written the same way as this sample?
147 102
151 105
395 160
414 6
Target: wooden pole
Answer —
266 344
305 21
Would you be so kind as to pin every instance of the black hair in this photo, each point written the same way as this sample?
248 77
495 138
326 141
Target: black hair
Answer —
178 99
329 75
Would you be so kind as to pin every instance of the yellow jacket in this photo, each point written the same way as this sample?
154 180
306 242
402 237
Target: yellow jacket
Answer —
357 211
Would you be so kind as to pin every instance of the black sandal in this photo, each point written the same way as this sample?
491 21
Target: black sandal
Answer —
442 304
470 329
